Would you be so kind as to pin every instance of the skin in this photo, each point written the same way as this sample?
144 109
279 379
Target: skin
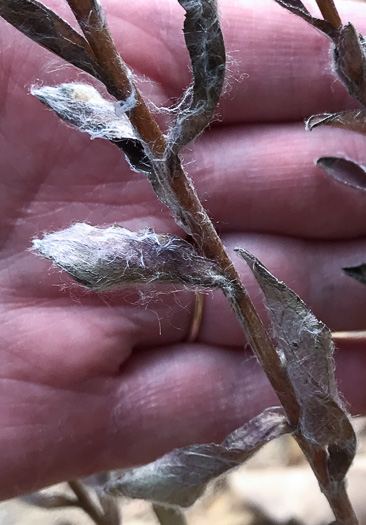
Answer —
90 382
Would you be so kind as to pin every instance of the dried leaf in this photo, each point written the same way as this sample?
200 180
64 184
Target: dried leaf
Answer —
45 27
82 106
350 61
349 50
206 48
298 8
351 120
306 349
345 171
357 272
113 257
180 477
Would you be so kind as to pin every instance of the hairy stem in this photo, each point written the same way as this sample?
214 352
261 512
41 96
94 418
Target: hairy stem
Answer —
118 82
198 223
85 502
341 506
189 211
330 13
335 493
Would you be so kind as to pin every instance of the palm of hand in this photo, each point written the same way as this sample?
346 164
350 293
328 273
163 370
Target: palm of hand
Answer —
73 386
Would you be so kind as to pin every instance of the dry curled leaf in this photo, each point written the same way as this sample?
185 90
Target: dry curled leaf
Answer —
298 8
306 349
349 49
84 107
179 477
345 171
113 257
350 61
350 120
45 27
357 272
206 48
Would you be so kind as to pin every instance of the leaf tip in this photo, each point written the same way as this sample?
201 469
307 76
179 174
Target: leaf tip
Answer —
356 272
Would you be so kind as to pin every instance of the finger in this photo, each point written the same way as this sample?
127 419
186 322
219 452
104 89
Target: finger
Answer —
312 269
75 333
199 393
171 397
164 398
283 64
264 179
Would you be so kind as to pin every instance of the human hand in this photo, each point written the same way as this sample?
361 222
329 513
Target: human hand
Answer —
91 382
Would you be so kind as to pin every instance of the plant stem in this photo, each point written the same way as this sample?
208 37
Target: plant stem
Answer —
342 507
188 210
335 492
330 13
94 26
349 335
86 503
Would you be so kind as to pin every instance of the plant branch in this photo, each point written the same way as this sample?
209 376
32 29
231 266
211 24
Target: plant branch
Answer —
85 502
187 206
175 189
195 218
44 26
189 211
335 492
330 13
341 506
119 83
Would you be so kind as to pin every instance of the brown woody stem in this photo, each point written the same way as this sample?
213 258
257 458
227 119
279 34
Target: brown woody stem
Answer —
342 507
335 493
86 503
199 225
330 13
98 35
94 26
